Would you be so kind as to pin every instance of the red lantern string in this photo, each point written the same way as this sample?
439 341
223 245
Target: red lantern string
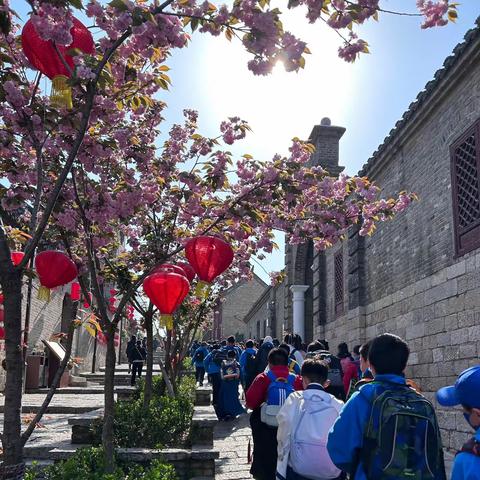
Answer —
2 333
2 315
209 257
43 55
166 290
75 292
17 257
2 298
54 269
87 301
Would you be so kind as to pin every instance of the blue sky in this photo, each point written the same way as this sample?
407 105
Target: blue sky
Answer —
367 97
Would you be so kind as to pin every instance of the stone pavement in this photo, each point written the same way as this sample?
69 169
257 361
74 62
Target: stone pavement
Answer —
231 440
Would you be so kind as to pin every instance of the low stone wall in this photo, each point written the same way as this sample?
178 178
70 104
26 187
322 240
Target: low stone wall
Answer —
196 461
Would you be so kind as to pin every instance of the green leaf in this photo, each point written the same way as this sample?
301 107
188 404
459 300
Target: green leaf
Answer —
76 4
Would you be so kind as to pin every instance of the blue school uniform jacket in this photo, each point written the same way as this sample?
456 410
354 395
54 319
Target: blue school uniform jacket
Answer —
210 366
346 436
466 465
199 363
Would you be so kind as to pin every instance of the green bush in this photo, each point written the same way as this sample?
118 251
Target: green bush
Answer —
165 423
88 464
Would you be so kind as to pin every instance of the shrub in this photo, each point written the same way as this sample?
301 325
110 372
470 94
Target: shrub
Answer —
166 422
87 464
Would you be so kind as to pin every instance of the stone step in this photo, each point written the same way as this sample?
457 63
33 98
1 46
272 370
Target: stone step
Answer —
55 409
90 390
76 381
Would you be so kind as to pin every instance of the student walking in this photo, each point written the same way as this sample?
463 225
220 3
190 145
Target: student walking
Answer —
265 397
139 355
248 364
303 425
198 358
229 405
130 346
387 430
212 367
466 392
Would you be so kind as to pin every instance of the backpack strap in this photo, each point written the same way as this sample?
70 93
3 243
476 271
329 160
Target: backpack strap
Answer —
472 446
291 379
271 376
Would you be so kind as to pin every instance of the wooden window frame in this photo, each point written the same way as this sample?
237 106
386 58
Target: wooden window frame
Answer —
466 239
339 283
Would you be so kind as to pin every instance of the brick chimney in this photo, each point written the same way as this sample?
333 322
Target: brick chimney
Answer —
326 138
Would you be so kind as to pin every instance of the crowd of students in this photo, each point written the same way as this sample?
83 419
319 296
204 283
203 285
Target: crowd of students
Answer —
320 416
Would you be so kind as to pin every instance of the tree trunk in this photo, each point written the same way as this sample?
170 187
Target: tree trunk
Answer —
147 394
109 412
13 465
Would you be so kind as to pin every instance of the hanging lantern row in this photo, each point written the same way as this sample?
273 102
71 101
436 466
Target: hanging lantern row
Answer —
169 284
75 291
52 60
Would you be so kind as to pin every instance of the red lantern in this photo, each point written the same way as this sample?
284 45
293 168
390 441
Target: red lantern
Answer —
169 267
17 257
75 292
2 333
189 271
2 298
44 57
87 301
54 269
2 315
166 290
209 257
102 340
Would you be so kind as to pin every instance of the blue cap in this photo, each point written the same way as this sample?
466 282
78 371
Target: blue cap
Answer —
466 390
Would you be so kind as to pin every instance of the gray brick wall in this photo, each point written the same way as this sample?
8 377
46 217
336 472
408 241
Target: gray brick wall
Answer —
236 304
414 285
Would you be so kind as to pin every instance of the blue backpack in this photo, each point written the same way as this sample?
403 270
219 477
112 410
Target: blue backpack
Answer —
278 391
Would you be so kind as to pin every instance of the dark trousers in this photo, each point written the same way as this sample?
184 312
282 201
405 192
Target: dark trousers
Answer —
199 374
216 385
136 369
264 464
292 475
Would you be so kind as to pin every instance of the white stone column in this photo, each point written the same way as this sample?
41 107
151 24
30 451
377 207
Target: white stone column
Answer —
298 292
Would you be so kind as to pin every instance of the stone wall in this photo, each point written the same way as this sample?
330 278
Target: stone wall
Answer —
46 319
406 278
236 303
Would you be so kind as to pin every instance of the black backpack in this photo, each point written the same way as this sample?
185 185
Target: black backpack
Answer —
262 357
219 356
335 371
402 438
251 365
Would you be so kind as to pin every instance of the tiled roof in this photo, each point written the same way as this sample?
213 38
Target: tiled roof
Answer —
470 37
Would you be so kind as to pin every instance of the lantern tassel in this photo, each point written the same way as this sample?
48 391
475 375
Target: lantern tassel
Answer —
166 321
44 294
202 289
61 95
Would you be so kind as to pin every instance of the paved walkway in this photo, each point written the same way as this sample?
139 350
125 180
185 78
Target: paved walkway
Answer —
231 439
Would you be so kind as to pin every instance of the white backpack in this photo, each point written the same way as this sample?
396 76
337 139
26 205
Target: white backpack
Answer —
308 452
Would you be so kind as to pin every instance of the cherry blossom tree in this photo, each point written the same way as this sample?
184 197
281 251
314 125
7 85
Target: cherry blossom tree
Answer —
93 179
